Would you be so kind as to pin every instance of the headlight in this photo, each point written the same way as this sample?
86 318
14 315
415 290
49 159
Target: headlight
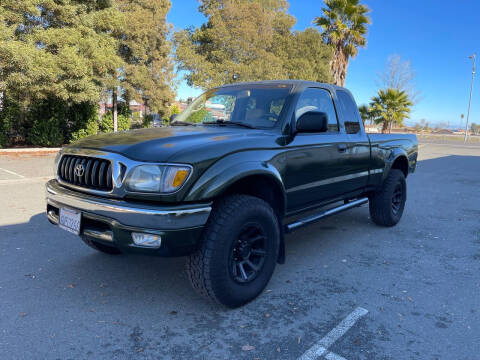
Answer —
157 178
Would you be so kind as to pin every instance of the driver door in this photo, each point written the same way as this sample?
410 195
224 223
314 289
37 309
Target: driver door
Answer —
315 161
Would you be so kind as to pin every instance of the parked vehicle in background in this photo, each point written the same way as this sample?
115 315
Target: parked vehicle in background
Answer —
157 120
222 184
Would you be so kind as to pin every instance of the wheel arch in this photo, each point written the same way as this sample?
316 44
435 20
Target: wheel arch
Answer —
401 163
258 179
397 159
244 177
263 186
267 188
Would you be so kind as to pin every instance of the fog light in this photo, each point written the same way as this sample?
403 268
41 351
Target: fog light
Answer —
147 240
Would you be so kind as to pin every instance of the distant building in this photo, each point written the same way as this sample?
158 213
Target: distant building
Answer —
444 132
372 129
135 107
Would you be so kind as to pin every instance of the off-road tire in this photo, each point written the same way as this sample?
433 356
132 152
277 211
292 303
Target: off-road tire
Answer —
381 206
209 268
110 250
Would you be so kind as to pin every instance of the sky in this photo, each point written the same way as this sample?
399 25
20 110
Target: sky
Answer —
436 36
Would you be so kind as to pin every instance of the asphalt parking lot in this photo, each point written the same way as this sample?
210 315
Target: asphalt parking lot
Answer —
349 289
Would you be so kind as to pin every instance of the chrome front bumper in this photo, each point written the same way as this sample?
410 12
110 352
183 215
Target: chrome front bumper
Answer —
113 222
129 214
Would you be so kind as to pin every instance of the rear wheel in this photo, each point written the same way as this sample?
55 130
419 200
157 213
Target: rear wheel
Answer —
110 250
238 252
387 204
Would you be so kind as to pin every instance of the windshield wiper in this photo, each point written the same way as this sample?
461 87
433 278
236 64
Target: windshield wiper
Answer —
182 123
223 122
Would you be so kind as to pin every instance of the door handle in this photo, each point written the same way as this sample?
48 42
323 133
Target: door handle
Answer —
342 148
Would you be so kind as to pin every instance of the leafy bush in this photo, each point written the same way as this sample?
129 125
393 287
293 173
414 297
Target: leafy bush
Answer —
147 121
84 122
90 129
137 122
48 120
11 126
47 132
172 110
3 135
106 125
27 123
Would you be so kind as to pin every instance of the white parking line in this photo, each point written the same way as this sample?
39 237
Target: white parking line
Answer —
13 173
452 145
321 347
332 356
25 180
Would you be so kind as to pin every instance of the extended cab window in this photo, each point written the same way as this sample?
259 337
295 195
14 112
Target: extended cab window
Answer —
349 111
315 99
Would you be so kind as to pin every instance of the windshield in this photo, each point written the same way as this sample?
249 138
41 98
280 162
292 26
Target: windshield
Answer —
258 106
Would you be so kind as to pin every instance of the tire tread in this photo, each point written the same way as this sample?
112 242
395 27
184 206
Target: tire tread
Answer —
198 264
380 201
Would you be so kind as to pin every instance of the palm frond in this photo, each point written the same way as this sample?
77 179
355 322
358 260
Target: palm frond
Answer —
344 23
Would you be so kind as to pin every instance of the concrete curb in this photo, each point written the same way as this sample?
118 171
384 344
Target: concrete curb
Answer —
29 151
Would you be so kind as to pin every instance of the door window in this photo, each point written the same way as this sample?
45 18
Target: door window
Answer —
315 99
349 111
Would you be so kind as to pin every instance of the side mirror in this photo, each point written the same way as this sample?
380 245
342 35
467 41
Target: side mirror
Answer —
312 121
173 117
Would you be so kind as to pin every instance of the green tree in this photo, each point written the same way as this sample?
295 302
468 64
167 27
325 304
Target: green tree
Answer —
475 128
365 113
390 106
344 27
61 49
247 40
55 55
304 55
147 75
106 124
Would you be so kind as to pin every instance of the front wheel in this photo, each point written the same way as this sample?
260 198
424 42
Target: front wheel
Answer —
238 253
387 204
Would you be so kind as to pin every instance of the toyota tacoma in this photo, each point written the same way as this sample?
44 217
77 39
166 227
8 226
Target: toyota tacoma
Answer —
239 168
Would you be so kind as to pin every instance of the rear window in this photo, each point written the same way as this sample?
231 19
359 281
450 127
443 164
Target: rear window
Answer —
350 112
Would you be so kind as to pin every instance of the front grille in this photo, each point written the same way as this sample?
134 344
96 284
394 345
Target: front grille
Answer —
97 173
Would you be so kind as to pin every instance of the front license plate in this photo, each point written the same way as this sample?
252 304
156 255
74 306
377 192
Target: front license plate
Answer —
70 220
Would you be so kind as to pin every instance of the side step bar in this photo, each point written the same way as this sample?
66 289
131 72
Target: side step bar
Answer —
323 214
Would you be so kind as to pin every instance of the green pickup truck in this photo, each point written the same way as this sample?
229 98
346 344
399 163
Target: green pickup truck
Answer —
239 168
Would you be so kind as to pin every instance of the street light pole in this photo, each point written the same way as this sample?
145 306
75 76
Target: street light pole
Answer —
473 57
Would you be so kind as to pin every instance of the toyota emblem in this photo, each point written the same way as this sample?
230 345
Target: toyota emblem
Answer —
79 170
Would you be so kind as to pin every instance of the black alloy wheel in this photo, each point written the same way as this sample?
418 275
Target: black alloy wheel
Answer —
388 202
397 198
248 254
238 251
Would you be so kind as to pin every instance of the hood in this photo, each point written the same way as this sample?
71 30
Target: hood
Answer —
192 143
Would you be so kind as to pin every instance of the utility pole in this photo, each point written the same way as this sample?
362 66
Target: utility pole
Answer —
473 57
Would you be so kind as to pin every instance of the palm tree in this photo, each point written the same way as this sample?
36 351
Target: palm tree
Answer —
365 113
390 106
344 26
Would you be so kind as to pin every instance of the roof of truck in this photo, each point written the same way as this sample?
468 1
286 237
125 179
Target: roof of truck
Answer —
297 83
